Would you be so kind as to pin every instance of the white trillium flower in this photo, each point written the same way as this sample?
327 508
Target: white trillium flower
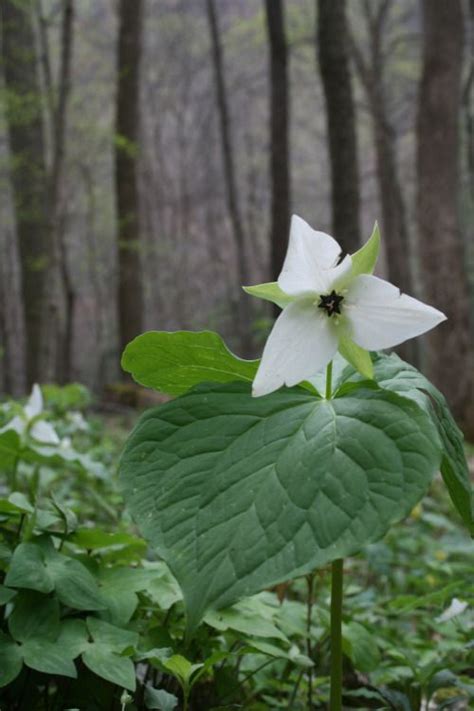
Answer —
456 608
329 306
40 430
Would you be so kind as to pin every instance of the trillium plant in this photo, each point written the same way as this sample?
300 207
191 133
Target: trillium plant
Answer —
258 472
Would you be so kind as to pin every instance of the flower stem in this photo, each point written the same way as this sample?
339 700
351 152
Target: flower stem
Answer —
329 381
335 703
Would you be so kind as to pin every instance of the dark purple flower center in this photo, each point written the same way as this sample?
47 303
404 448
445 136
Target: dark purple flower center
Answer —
331 303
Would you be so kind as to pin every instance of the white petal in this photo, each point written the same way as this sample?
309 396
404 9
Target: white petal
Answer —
302 342
310 257
381 317
34 406
44 432
17 424
456 608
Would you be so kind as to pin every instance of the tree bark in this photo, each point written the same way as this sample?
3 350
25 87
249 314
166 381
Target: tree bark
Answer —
279 138
23 110
243 311
394 228
449 359
56 309
127 127
371 71
333 55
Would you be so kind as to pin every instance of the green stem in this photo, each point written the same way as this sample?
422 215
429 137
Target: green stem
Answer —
329 381
309 646
336 636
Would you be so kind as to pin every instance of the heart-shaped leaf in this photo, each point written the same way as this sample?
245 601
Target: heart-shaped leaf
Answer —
173 363
239 493
392 373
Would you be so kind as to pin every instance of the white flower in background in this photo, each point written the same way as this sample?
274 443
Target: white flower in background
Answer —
456 608
329 306
27 421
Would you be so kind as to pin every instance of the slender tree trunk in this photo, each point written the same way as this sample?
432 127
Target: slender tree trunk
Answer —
243 311
393 223
56 310
449 347
23 110
333 55
127 127
279 138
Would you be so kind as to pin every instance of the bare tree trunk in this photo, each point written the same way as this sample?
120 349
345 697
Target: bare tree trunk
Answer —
371 71
279 139
449 347
468 103
229 172
333 55
23 109
56 308
127 127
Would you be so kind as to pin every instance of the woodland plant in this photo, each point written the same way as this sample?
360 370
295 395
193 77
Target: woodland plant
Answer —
239 493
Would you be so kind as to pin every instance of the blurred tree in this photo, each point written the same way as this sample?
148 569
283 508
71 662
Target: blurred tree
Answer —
333 56
371 70
24 119
56 307
468 101
127 127
243 308
449 347
279 140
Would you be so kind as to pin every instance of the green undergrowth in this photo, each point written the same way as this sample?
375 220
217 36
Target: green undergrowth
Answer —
90 618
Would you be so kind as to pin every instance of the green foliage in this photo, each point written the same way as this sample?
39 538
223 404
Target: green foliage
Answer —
88 611
174 362
239 493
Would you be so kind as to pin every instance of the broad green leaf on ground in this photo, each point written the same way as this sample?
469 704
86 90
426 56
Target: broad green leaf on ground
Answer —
394 374
39 639
239 493
162 589
250 617
173 363
159 699
10 445
39 566
34 615
359 645
182 669
104 654
11 660
119 587
6 594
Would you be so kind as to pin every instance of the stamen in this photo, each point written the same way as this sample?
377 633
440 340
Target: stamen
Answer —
331 303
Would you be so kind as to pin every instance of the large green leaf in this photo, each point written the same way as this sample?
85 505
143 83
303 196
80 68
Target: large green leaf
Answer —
11 660
238 493
10 446
34 615
103 655
39 566
173 363
392 373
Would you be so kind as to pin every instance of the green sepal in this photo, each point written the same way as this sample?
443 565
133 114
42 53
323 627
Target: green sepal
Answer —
270 291
358 357
365 259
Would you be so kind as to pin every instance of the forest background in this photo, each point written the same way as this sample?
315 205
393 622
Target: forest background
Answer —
152 152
